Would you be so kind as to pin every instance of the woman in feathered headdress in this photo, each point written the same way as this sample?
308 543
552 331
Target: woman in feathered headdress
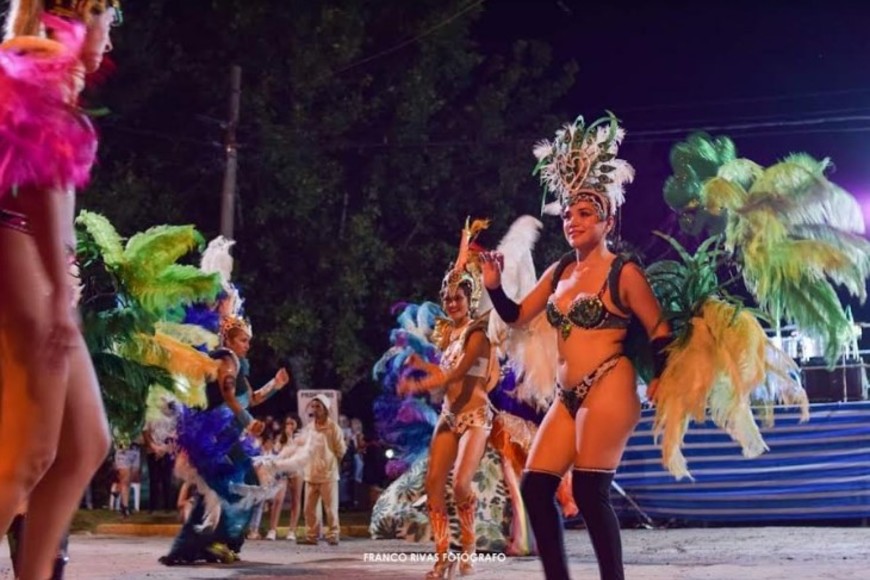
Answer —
215 454
589 298
52 423
467 370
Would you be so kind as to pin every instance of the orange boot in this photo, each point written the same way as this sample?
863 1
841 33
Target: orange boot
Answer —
441 534
466 510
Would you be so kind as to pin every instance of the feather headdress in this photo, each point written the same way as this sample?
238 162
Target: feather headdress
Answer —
466 268
581 164
217 259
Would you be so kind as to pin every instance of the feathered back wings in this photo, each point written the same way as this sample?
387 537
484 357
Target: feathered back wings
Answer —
532 350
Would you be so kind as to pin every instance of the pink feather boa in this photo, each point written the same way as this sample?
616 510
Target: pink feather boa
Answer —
45 141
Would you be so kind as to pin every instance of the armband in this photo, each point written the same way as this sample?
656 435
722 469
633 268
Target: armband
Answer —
507 309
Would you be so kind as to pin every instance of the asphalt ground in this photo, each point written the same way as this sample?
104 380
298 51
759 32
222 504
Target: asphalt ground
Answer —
773 553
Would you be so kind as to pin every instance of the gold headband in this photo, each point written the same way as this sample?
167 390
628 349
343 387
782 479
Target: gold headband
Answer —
229 323
466 268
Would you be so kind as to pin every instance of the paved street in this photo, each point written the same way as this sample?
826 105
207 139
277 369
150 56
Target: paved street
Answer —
692 554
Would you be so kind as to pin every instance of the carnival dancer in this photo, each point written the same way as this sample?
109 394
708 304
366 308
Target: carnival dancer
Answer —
53 430
589 297
467 371
216 454
407 424
13 539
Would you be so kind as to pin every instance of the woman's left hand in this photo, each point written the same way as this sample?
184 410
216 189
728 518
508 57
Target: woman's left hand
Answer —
492 265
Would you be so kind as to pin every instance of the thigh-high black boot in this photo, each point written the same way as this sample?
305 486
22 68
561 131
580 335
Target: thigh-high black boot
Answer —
592 494
539 495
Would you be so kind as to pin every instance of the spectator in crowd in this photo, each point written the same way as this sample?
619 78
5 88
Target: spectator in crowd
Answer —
328 446
127 469
345 482
374 468
359 445
293 488
159 437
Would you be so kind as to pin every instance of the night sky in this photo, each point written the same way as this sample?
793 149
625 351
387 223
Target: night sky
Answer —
801 70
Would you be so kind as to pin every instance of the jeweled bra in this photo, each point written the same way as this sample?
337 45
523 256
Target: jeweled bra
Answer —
587 312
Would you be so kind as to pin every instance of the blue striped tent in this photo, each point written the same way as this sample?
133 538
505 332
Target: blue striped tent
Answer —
819 470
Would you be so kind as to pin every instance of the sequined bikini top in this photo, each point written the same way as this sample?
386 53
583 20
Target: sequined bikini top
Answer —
588 312
483 367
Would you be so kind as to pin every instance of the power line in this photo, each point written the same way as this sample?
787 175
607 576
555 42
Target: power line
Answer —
404 43
736 100
743 126
823 130
637 137
643 136
766 116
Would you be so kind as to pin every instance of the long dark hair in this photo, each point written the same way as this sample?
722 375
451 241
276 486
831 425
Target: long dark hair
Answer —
282 437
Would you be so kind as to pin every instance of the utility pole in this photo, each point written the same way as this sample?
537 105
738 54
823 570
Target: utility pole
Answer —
228 194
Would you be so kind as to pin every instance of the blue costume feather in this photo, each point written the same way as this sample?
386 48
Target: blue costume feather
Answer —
502 397
210 438
202 315
406 423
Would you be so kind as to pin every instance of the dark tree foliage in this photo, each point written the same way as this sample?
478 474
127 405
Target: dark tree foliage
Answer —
361 154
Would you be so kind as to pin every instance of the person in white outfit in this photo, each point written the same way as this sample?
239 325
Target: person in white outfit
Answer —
327 446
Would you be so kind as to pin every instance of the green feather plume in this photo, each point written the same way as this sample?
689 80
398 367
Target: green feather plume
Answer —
127 290
694 161
794 235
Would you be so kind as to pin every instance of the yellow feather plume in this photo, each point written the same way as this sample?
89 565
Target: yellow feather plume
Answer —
726 358
183 359
191 334
190 367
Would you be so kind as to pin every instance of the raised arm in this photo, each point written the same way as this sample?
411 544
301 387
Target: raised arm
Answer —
227 381
512 313
336 442
282 377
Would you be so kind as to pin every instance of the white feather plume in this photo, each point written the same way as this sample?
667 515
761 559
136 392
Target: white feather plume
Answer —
542 149
217 259
187 473
292 459
552 208
531 349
